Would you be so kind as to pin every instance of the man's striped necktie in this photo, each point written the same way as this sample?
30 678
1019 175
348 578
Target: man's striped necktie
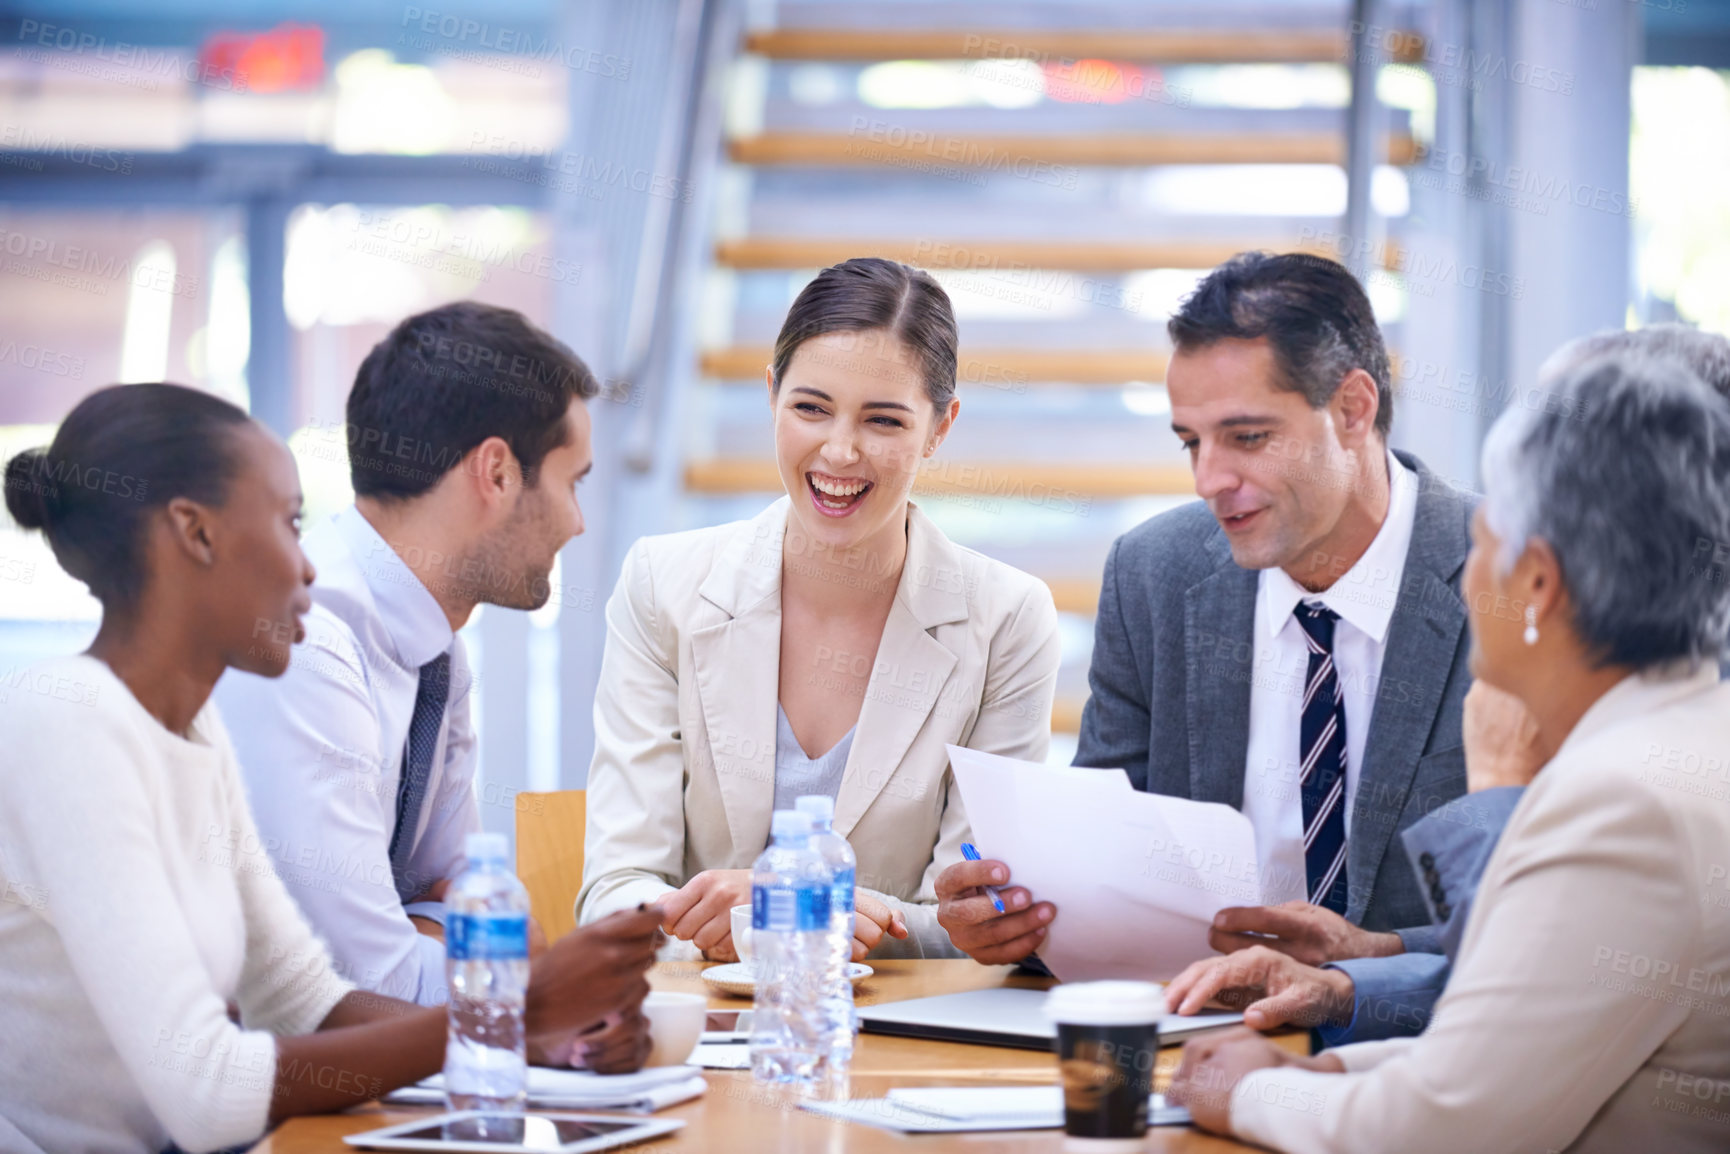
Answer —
1322 748
417 756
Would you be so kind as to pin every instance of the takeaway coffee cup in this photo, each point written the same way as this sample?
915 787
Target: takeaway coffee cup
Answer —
1107 1046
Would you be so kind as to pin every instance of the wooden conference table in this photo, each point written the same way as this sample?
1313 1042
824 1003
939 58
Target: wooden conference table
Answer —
737 1115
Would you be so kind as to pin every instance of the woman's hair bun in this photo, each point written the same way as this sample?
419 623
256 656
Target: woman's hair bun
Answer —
27 488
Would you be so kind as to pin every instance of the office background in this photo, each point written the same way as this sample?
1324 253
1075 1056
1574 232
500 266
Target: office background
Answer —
244 195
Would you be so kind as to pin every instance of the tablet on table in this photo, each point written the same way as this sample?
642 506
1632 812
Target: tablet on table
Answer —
476 1130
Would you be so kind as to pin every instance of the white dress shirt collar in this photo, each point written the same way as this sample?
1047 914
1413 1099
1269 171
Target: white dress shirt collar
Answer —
418 628
1364 595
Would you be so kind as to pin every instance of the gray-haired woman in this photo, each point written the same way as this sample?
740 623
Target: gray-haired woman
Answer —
1590 1007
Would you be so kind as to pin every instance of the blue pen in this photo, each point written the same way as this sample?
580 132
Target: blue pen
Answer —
971 854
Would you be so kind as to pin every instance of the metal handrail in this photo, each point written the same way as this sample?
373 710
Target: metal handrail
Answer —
688 126
1364 145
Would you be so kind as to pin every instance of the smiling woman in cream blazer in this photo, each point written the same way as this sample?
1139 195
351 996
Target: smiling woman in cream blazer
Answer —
841 605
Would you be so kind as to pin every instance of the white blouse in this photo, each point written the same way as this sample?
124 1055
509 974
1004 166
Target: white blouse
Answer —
137 902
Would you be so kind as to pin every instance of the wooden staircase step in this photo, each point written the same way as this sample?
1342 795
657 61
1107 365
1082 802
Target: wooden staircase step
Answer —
889 144
1066 487
797 252
1059 45
1008 369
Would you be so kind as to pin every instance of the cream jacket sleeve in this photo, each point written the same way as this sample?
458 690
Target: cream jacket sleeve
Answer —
1014 721
1534 1034
634 848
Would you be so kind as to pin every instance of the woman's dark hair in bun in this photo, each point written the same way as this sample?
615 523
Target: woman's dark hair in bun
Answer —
122 453
24 493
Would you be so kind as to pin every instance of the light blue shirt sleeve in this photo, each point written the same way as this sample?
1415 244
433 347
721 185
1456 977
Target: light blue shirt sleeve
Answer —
1449 849
323 795
1391 997
1421 939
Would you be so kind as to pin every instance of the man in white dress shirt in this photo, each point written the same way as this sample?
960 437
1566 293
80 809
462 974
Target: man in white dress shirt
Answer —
1294 644
467 435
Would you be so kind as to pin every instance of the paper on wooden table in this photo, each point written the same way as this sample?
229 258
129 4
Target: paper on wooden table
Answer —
1136 877
652 1089
1033 1103
972 1110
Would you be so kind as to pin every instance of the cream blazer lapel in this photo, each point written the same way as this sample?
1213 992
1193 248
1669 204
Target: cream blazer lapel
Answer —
911 670
738 668
683 776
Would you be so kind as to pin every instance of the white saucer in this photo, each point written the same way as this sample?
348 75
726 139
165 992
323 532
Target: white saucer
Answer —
735 977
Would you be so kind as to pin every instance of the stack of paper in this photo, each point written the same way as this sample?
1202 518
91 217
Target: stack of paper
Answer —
1136 877
948 1109
722 1056
647 1090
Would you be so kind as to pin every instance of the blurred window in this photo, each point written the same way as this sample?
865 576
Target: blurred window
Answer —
1679 186
353 271
91 299
71 87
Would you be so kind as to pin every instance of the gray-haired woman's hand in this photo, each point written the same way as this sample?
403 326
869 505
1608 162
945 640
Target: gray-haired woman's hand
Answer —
1501 739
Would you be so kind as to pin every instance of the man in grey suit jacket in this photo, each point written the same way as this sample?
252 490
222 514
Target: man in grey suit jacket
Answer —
1218 673
1370 998
1173 664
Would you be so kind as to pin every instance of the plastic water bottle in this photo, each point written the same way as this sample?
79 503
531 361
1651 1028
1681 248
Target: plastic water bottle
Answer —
487 968
789 945
837 989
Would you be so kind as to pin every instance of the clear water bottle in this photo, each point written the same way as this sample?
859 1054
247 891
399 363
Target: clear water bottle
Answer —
839 1017
487 968
790 946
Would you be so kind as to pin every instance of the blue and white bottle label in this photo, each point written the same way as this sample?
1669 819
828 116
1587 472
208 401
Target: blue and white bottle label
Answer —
788 909
486 937
841 892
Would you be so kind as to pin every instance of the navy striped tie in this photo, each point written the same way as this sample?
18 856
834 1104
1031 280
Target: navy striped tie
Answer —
417 756
1322 748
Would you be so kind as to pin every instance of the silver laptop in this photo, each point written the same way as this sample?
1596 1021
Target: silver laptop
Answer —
1000 1017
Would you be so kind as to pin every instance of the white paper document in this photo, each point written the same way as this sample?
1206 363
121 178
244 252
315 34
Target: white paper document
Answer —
721 1056
1136 877
647 1090
946 1109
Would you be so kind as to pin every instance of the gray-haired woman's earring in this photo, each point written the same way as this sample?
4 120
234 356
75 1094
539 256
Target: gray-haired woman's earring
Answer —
1531 635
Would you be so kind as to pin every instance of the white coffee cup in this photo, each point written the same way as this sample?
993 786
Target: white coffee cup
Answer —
675 1025
741 927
